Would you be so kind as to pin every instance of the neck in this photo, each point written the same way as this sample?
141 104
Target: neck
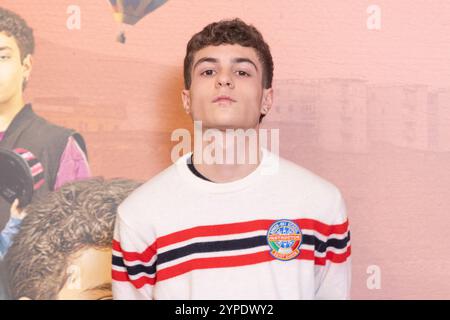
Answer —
8 110
227 155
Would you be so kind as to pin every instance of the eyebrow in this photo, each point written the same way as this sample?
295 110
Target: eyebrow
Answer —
5 48
101 287
234 60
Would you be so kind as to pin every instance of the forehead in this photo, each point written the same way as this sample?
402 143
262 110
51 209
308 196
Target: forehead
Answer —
93 266
227 52
7 41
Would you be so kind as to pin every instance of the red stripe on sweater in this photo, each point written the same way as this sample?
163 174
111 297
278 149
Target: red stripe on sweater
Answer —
144 256
138 283
242 260
228 261
248 226
224 229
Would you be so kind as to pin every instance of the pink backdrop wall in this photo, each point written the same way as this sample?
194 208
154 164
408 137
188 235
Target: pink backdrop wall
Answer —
367 109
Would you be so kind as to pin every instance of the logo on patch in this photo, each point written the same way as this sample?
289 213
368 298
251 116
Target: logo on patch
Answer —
284 238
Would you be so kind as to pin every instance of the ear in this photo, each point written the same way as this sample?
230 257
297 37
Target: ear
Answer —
74 277
27 65
186 98
267 101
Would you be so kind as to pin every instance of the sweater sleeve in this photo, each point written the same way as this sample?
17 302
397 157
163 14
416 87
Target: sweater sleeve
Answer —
73 164
333 273
134 263
7 235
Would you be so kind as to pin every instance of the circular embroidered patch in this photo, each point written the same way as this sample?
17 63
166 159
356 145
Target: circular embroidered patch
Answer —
284 238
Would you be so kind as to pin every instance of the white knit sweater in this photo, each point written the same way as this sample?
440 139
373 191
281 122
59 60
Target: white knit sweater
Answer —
279 233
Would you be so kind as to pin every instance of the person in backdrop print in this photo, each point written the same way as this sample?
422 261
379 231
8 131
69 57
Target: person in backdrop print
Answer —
61 151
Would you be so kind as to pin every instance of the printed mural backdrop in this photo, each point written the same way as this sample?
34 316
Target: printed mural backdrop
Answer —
362 98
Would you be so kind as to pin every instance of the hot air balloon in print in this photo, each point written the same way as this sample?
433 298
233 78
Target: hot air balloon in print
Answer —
132 11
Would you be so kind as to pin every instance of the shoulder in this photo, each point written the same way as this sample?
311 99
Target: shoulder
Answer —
305 179
153 193
317 195
54 133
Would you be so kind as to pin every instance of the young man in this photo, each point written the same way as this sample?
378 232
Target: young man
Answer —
208 230
63 250
61 151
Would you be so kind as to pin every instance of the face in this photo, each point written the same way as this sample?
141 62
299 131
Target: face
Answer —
226 88
89 276
13 71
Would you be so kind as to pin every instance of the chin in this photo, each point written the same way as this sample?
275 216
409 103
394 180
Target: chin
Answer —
231 125
227 121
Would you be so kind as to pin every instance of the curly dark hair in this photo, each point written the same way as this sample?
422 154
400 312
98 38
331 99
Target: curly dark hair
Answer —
79 215
231 32
15 26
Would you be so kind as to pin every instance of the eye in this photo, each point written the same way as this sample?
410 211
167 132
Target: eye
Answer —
243 73
207 72
3 57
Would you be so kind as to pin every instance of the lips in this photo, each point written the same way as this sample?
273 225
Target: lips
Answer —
223 99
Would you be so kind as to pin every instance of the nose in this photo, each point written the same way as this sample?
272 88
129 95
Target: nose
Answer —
224 80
